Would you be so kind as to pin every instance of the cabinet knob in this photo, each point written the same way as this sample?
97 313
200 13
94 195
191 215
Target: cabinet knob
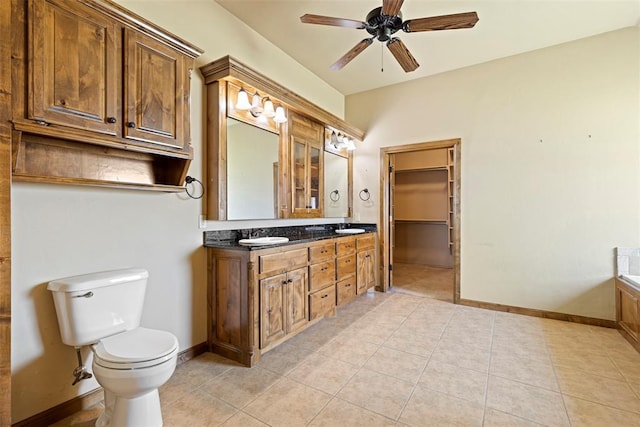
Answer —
63 102
111 120
284 282
131 124
324 296
290 281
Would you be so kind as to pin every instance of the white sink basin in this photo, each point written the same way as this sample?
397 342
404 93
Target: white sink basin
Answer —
261 241
350 231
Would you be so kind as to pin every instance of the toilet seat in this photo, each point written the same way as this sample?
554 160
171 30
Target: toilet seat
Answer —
135 349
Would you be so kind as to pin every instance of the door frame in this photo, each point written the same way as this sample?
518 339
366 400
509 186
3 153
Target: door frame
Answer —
5 213
385 197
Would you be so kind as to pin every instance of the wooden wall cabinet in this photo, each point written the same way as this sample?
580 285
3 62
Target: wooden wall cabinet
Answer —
307 172
106 100
628 312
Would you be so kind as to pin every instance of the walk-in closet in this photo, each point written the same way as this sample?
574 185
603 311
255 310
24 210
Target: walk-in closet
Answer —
422 192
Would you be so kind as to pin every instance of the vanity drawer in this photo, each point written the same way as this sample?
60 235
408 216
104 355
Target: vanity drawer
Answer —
346 290
322 275
283 261
366 242
322 302
322 252
346 246
346 267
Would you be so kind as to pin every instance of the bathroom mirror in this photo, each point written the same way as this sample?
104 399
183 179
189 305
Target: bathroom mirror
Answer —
252 172
336 185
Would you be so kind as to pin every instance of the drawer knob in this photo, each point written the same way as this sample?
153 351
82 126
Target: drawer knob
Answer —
131 124
324 296
111 120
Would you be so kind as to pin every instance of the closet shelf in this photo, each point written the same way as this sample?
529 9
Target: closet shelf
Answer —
434 168
432 221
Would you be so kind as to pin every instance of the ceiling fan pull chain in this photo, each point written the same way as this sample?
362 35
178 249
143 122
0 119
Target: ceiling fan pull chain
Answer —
381 59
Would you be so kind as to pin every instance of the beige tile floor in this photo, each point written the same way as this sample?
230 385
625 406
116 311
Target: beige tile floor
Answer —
424 281
405 360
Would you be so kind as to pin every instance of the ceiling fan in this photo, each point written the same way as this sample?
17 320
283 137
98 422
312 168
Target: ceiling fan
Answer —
383 22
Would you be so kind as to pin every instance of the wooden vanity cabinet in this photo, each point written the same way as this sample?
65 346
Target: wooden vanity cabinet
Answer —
366 264
259 298
97 75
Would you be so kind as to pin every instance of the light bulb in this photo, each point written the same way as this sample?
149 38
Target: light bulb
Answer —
268 108
243 100
279 117
256 105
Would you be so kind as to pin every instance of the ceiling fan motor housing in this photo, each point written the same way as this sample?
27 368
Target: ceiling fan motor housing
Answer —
382 26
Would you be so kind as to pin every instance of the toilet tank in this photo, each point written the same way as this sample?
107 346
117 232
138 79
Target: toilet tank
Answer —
93 306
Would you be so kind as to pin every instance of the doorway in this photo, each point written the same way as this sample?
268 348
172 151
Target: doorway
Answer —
420 218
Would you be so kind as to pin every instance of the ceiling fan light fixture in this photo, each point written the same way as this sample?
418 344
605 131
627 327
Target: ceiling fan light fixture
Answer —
242 102
382 22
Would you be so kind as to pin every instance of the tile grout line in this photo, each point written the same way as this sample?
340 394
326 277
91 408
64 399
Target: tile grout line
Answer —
486 388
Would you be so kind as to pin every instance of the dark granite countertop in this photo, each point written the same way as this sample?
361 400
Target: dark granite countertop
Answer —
228 239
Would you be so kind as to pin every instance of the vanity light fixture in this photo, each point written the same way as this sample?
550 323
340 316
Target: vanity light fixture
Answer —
342 141
260 106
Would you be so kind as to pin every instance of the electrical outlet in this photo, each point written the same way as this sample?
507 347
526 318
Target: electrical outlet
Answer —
202 223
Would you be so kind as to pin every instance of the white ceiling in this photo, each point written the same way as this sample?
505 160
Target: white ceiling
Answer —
505 28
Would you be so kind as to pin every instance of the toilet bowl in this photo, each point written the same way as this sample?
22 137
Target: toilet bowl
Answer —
130 362
131 366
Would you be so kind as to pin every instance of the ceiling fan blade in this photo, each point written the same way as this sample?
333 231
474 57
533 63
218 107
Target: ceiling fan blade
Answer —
444 22
328 20
391 7
355 51
402 55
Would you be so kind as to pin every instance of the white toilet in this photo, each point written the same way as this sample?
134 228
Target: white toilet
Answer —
103 310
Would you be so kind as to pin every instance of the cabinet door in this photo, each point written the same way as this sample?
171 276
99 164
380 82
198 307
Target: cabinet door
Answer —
272 309
298 308
366 271
74 73
299 175
307 161
156 92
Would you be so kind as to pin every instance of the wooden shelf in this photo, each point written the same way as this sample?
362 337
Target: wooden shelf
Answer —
431 169
432 221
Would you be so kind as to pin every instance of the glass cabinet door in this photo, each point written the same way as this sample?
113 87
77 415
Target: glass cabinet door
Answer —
307 162
314 177
299 174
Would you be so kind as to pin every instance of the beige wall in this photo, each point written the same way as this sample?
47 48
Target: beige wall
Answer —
60 231
550 161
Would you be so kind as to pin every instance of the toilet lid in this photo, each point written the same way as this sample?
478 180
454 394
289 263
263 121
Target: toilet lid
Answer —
138 348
